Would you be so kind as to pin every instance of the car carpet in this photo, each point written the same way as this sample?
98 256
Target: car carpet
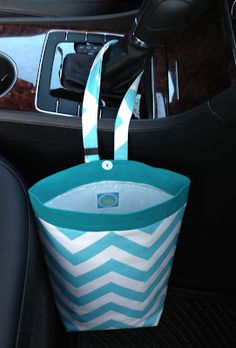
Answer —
190 320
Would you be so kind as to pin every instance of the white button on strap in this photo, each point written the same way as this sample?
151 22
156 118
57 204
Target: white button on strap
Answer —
107 165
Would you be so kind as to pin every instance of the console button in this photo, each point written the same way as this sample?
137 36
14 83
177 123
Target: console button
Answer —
96 38
76 37
68 107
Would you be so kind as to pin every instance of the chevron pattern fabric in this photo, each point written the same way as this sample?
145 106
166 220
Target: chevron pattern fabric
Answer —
113 279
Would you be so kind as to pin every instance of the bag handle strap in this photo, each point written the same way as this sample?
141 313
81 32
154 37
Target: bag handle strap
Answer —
90 112
123 120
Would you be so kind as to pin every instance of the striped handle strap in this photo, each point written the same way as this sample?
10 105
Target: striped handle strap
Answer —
123 120
90 112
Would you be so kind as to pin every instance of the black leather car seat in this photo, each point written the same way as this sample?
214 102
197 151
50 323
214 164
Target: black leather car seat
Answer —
21 269
65 7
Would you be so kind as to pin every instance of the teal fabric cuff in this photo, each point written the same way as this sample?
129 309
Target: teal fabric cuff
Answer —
175 184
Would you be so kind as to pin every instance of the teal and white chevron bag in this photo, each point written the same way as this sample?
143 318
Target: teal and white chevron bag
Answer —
109 228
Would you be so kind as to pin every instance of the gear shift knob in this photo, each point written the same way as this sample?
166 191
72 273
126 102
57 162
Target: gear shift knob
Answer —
158 19
155 22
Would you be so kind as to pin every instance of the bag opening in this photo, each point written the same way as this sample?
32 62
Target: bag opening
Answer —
117 197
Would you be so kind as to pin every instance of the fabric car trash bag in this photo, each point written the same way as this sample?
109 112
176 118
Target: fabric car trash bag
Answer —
109 228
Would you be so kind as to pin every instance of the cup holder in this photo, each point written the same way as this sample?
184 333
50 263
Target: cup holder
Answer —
8 74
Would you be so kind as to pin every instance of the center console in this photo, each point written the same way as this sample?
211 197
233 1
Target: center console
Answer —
53 97
183 72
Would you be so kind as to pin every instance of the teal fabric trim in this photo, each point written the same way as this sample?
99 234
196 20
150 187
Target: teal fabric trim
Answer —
59 183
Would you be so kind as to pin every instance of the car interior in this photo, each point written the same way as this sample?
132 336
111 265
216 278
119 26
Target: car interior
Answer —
184 120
